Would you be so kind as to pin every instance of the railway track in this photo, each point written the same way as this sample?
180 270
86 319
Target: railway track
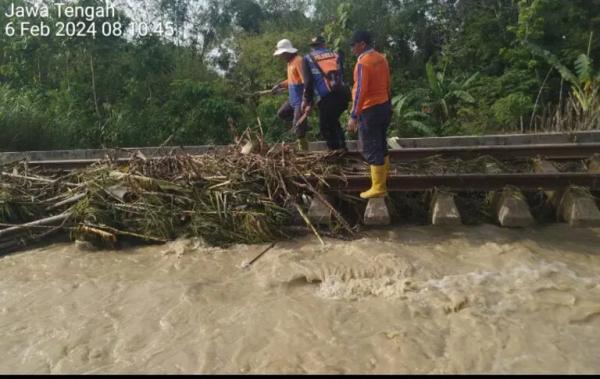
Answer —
569 151
570 193
555 145
454 182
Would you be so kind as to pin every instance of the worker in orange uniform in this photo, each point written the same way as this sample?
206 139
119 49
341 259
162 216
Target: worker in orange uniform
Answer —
291 111
371 110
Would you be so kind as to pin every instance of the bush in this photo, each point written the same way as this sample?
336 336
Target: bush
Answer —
24 125
509 110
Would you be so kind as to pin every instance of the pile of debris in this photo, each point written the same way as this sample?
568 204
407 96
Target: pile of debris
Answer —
230 197
245 194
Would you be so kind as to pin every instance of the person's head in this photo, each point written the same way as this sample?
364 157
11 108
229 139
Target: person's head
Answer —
360 42
317 42
285 50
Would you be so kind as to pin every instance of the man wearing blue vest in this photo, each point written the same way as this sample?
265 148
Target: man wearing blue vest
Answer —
323 75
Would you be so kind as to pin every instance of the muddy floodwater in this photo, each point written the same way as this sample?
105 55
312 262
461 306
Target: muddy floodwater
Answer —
406 300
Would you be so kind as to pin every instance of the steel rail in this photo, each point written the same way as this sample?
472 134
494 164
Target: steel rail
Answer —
549 152
470 182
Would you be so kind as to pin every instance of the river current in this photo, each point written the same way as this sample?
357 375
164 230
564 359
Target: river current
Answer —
404 300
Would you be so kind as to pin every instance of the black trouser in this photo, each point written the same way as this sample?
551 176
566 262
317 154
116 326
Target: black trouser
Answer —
372 133
331 108
292 114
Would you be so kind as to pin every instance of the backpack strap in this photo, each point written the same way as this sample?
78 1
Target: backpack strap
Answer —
314 62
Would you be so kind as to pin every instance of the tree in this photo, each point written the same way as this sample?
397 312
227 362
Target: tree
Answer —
408 121
445 95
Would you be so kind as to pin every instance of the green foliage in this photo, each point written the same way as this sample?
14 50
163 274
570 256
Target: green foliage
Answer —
583 81
493 61
408 122
583 68
509 110
337 31
266 111
23 121
444 96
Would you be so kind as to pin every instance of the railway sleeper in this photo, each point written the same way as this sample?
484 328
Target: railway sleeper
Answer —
509 204
443 210
575 205
511 208
377 213
593 164
318 212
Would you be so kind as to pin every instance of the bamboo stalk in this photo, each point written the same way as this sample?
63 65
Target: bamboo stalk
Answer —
308 223
31 178
124 233
69 201
37 179
257 257
43 222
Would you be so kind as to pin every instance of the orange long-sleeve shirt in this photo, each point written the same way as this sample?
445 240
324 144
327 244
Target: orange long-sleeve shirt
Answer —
294 82
371 82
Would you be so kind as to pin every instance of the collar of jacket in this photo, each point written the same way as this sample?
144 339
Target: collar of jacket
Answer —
368 51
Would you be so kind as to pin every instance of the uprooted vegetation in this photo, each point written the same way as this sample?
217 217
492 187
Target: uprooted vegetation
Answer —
222 198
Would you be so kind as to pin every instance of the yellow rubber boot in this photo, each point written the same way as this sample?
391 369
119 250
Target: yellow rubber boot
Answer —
303 144
379 186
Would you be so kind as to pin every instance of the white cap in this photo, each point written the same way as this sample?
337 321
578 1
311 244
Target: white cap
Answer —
285 46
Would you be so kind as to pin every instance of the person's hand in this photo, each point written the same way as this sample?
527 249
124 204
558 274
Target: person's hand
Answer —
352 125
306 108
275 88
